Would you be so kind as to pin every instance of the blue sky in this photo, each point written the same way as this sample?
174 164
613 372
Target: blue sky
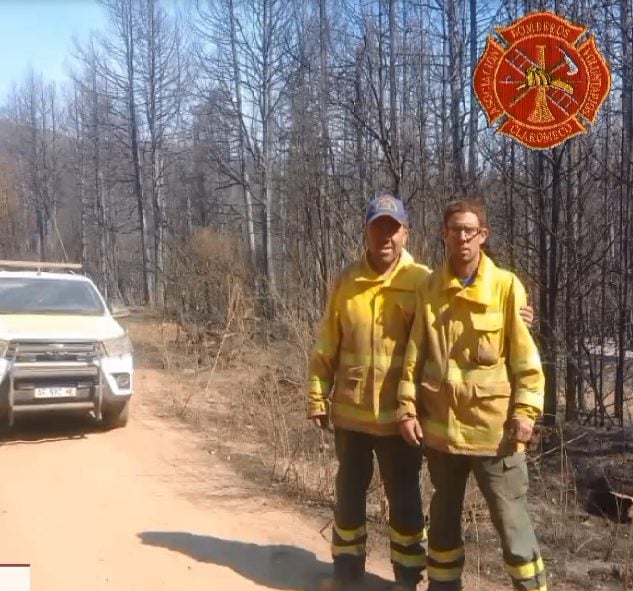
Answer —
38 34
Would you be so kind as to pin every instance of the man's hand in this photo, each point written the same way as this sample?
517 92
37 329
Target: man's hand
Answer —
521 429
527 315
411 431
320 421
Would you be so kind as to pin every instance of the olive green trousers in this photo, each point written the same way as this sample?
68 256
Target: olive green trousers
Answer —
400 467
503 482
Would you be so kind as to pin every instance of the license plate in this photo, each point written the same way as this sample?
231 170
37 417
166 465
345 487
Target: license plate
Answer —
55 392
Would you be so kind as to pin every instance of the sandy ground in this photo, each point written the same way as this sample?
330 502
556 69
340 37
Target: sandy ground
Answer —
147 507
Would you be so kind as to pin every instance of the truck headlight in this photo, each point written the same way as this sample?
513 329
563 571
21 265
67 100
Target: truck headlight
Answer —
4 346
117 346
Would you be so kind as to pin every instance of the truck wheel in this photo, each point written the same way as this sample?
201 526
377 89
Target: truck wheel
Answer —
116 415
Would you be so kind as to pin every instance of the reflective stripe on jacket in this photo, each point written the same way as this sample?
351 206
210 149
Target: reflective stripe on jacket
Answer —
358 356
471 362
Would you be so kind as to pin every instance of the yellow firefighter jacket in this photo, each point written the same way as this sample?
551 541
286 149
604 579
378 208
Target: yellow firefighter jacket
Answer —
471 363
357 359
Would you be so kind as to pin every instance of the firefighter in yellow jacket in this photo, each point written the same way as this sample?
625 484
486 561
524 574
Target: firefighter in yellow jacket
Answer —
357 360
472 387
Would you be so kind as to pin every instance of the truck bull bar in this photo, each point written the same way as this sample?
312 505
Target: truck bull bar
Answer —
74 370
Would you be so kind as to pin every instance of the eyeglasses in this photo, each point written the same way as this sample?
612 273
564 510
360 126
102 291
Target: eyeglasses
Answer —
468 231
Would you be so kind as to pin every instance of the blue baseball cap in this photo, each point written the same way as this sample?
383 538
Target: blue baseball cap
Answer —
386 204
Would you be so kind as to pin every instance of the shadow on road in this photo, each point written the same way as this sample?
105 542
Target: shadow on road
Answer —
278 567
48 427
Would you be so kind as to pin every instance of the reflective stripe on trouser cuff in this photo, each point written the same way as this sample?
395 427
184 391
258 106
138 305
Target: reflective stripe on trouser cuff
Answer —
408 559
445 574
446 565
353 549
349 535
528 570
447 556
407 540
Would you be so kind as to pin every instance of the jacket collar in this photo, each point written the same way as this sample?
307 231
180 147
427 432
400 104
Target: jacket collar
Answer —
480 290
366 272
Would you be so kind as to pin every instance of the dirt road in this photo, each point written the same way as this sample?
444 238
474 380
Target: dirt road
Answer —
145 507
149 507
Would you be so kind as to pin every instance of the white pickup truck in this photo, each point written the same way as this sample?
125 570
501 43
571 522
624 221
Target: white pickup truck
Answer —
61 348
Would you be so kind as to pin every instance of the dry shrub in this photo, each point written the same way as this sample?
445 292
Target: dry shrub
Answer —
210 279
211 296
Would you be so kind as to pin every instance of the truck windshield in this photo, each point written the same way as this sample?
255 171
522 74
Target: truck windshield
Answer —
30 295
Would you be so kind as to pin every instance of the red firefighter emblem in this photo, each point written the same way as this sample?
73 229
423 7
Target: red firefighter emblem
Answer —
544 76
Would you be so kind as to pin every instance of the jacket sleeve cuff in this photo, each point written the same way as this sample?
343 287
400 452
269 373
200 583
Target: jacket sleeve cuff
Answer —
406 400
318 392
526 412
406 391
318 387
530 398
406 411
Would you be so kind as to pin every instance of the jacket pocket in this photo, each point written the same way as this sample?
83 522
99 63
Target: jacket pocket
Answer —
491 404
493 390
516 479
488 328
350 385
